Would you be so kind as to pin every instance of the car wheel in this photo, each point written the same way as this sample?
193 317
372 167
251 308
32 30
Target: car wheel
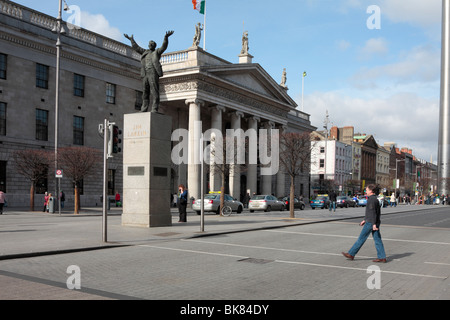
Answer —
252 210
198 212
302 207
239 210
268 209
218 210
313 208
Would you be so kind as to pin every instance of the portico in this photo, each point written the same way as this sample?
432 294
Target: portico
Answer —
200 87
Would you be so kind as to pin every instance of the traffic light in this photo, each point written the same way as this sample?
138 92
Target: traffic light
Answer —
116 139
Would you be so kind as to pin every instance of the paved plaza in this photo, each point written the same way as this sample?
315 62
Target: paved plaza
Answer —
251 256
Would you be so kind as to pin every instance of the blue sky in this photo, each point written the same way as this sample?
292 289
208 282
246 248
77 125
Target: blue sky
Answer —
382 81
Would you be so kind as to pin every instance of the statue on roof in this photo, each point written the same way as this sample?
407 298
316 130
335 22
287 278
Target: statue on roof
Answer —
245 46
198 34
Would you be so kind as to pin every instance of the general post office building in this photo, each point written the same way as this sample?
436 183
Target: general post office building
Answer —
100 79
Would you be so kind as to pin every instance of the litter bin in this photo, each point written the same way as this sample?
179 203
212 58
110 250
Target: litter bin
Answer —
51 205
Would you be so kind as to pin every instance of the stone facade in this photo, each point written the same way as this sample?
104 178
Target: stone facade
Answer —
197 86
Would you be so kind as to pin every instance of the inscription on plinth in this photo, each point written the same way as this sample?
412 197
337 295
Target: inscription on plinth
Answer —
146 174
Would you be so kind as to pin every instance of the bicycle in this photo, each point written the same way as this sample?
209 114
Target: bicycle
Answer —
226 211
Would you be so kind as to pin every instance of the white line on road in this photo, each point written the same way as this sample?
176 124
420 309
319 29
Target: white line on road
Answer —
353 237
267 248
292 262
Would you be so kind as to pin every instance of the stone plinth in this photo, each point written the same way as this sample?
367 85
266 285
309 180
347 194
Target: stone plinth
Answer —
146 170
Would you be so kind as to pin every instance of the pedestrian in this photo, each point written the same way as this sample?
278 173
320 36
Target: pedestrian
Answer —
333 200
2 201
46 197
175 200
182 202
246 200
370 224
393 200
117 198
62 198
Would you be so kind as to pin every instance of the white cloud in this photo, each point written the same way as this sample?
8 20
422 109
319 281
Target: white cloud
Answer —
424 13
99 24
374 46
421 64
405 118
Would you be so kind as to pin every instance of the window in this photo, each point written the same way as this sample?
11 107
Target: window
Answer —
78 85
110 93
322 149
3 176
2 119
41 76
138 102
41 125
78 130
2 66
322 163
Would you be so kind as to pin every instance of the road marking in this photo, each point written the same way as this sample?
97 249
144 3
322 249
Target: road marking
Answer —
438 263
266 248
353 237
292 262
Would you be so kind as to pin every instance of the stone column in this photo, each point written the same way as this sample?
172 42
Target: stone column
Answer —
195 131
267 180
215 181
252 167
235 172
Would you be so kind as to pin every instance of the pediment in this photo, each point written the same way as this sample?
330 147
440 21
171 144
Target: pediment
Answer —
254 78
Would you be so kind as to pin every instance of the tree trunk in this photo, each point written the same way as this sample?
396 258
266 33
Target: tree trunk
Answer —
222 190
291 198
77 204
32 196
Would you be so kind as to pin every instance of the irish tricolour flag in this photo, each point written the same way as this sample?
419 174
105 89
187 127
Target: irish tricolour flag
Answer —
199 5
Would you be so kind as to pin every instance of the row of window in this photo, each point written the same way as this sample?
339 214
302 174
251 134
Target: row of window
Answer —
42 80
42 125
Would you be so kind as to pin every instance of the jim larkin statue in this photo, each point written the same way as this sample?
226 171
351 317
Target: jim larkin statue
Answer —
151 70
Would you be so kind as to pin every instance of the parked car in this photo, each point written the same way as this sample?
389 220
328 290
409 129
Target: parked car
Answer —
298 204
345 202
362 201
265 202
212 203
320 201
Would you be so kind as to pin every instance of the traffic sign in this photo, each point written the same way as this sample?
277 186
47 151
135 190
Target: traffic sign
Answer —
59 173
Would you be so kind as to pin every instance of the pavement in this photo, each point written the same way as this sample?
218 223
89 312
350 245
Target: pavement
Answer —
45 236
28 234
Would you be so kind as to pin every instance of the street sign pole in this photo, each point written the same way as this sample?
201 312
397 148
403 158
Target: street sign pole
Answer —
105 179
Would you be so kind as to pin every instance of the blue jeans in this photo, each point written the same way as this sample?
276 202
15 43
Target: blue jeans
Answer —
365 232
333 205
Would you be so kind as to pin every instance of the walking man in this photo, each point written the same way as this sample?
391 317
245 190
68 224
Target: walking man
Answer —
370 224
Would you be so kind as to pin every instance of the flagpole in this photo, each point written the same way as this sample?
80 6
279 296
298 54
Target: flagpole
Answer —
303 90
204 29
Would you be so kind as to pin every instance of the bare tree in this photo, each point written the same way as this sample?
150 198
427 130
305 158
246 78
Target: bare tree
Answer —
295 158
77 163
32 164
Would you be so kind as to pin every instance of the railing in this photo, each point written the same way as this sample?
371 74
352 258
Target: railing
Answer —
175 57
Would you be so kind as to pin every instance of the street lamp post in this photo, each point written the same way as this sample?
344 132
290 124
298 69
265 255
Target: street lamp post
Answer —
58 29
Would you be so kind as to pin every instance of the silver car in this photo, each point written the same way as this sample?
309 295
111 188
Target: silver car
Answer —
266 203
212 203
